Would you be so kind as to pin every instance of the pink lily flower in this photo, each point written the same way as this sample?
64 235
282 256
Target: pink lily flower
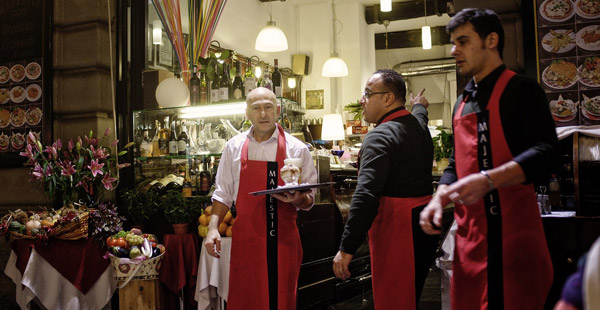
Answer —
70 145
32 137
119 166
51 150
107 132
49 171
99 153
28 153
37 172
95 167
108 181
67 168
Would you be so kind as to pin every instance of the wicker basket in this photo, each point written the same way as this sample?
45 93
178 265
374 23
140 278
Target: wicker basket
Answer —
74 230
130 269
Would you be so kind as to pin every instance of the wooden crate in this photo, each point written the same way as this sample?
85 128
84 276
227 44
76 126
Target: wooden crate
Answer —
140 294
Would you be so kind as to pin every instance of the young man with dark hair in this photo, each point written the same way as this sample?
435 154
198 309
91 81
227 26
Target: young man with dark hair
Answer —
504 139
394 184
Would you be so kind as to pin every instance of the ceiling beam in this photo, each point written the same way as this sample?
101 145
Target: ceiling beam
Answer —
411 38
405 10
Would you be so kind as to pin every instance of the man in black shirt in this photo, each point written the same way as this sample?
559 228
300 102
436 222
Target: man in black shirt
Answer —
394 184
504 138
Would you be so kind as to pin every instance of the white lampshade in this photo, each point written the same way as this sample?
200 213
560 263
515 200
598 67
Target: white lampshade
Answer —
426 37
333 127
334 67
271 39
172 92
156 32
385 5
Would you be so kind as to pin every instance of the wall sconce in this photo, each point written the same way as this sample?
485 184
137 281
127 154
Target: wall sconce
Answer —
385 5
258 69
271 38
156 32
292 82
218 52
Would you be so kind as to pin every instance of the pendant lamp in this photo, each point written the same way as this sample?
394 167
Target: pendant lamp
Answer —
426 32
334 66
385 5
271 38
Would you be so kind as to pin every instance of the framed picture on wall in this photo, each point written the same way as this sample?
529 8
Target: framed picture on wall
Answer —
314 99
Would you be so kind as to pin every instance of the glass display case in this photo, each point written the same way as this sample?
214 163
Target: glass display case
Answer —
186 142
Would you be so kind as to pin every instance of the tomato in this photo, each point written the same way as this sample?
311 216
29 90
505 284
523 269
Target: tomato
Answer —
153 244
121 242
111 242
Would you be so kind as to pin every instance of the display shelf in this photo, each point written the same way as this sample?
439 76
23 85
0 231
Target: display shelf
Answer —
194 156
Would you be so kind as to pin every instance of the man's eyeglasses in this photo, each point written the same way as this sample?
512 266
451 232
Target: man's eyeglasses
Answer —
367 93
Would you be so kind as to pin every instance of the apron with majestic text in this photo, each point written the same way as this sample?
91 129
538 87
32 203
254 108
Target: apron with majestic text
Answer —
501 259
392 248
266 252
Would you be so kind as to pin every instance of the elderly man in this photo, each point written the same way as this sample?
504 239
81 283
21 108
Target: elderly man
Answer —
266 252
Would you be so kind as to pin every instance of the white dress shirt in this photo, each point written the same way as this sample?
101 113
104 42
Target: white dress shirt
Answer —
228 173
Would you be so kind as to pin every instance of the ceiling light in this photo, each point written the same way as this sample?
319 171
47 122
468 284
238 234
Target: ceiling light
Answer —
426 31
334 66
271 38
385 5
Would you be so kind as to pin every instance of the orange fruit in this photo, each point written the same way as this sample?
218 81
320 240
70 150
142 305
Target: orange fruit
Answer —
203 220
228 231
208 210
223 228
232 221
228 217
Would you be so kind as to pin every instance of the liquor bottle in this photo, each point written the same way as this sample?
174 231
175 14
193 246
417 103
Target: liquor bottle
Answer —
146 145
205 178
186 189
214 87
224 85
195 87
276 78
203 89
285 123
156 139
554 193
163 139
183 141
173 141
250 80
238 84
266 81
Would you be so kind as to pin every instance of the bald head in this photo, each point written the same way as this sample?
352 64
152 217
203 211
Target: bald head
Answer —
260 93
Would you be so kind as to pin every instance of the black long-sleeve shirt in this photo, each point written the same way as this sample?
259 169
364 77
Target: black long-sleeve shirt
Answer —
526 121
395 161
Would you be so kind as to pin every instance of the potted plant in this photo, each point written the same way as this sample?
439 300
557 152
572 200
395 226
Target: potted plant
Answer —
139 205
442 148
354 108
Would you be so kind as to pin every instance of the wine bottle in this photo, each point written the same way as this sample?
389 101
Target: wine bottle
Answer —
214 87
266 81
276 78
195 87
146 145
238 84
186 189
203 89
224 85
173 141
250 80
163 139
285 123
156 139
183 141
205 179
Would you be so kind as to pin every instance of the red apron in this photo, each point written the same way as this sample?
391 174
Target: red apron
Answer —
391 246
501 259
266 252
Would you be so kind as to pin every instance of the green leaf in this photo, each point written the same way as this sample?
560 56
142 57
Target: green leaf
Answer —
121 153
128 145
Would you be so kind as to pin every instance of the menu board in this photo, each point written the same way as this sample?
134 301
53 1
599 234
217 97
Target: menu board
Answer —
24 89
568 41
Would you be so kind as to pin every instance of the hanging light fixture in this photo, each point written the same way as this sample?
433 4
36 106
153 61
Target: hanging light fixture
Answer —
334 66
271 38
385 5
426 31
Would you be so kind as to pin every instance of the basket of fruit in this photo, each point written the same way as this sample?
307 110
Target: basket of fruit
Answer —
225 227
134 256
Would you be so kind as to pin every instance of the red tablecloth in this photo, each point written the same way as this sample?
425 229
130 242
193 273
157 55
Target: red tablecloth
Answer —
79 261
180 265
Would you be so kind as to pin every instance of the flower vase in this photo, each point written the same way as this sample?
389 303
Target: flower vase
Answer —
181 229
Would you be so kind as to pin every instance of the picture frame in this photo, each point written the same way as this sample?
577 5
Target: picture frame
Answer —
314 99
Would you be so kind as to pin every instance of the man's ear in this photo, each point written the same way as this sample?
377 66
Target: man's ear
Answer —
389 99
491 41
